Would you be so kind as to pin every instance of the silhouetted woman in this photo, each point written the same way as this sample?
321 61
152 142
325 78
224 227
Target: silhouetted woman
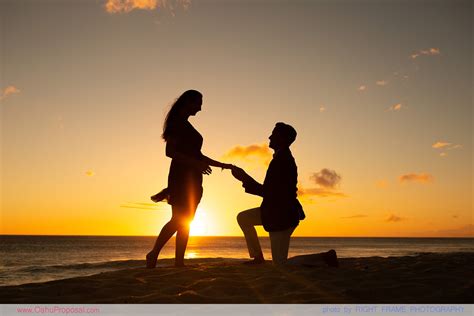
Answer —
188 164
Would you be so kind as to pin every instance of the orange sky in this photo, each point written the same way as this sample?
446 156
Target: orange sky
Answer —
381 100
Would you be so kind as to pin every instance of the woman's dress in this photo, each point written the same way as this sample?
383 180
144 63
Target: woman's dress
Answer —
185 181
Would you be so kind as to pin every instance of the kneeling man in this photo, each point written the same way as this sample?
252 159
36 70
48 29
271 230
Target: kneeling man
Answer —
280 210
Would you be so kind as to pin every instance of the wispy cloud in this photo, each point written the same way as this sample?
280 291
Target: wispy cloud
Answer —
381 184
396 107
326 178
261 152
425 52
354 216
126 6
463 231
392 218
319 192
90 173
8 91
440 144
381 83
141 206
414 177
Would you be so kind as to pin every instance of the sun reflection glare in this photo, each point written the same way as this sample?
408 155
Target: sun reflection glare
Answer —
191 255
201 223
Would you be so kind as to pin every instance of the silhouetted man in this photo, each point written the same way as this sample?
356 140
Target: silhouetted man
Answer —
280 210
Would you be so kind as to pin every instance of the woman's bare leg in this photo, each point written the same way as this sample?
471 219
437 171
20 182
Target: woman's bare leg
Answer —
185 218
182 237
165 234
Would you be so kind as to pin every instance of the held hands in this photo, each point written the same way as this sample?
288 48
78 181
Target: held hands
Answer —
206 169
226 166
239 173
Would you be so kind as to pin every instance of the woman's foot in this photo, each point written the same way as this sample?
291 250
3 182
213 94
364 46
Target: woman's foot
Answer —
257 260
151 259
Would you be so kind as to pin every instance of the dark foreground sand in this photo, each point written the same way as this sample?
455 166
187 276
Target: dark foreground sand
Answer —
426 278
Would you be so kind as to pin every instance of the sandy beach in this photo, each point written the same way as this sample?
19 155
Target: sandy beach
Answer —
426 278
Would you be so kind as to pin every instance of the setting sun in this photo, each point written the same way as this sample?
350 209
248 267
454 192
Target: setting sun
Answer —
200 225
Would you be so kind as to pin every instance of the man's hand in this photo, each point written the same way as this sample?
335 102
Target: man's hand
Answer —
226 166
239 173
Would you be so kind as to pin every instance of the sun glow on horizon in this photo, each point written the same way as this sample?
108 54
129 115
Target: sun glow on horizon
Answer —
200 224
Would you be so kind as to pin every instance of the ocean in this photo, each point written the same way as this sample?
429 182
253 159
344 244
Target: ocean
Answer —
29 259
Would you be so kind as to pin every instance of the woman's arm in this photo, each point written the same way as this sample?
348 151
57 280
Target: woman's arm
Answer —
215 163
172 153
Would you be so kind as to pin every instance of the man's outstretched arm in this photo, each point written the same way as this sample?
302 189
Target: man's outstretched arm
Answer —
250 185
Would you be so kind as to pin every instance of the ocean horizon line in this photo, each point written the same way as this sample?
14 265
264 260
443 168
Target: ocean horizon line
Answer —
238 236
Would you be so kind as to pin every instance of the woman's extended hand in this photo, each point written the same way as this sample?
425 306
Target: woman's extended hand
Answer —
226 166
204 167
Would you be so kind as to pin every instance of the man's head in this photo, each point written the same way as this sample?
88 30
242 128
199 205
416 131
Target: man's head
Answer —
283 136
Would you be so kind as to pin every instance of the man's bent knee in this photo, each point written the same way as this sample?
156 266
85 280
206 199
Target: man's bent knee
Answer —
241 218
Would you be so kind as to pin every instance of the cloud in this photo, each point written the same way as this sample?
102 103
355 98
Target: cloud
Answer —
445 146
125 6
362 88
381 83
141 206
10 90
326 178
354 216
392 218
395 107
413 177
90 173
322 109
425 52
381 184
463 231
440 144
261 152
319 192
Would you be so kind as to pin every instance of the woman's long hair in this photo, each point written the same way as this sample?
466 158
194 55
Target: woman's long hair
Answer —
180 103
